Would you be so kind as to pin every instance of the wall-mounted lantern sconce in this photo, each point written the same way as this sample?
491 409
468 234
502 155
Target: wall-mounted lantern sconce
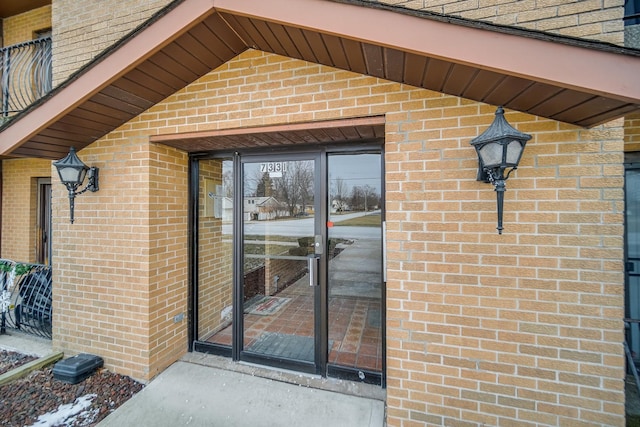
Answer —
72 173
500 147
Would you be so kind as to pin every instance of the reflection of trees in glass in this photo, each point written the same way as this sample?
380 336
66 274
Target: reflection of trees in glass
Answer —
295 187
265 186
227 183
339 194
364 198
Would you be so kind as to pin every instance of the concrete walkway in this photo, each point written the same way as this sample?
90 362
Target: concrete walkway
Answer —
203 390
25 344
188 394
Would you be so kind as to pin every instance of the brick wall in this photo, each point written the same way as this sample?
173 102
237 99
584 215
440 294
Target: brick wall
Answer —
19 207
120 271
525 327
83 29
632 132
23 27
590 19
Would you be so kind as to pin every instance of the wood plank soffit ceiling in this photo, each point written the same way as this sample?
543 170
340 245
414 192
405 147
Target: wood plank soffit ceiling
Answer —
569 80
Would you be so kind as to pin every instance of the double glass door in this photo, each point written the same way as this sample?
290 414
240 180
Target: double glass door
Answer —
301 244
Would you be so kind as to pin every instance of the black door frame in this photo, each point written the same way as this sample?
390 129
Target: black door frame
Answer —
43 222
320 367
320 290
632 163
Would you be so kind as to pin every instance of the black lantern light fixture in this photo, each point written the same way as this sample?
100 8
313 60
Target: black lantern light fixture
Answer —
72 174
499 148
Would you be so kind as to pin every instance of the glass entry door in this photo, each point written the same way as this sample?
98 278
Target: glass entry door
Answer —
289 261
282 246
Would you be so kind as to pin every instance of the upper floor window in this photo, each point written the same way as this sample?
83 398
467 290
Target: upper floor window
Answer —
632 12
41 34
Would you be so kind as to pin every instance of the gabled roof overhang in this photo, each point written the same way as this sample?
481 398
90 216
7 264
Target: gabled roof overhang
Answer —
569 80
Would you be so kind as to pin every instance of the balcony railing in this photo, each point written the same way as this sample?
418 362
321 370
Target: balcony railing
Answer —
25 298
25 75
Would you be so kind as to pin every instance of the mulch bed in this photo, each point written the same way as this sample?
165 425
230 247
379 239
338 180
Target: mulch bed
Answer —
57 403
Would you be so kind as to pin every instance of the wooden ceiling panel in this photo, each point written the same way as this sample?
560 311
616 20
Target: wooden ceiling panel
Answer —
394 61
302 45
52 144
535 94
169 63
606 115
86 129
45 151
249 33
104 120
93 106
318 47
414 69
270 38
191 67
289 47
195 47
334 134
171 80
136 80
336 50
374 60
459 78
138 88
225 41
355 56
436 74
351 133
336 131
560 104
115 108
53 135
482 85
506 89
120 96
593 106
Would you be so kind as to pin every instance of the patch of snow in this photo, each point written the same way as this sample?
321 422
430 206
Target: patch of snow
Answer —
66 415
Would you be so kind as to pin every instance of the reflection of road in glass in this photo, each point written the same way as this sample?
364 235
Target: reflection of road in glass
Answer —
299 227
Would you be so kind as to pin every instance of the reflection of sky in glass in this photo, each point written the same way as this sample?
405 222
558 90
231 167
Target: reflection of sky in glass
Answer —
355 170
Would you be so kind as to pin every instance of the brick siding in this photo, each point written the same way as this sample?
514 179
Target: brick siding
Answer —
525 327
83 29
19 207
589 19
632 132
23 27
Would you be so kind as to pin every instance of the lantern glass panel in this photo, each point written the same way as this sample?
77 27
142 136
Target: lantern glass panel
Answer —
491 155
514 151
72 175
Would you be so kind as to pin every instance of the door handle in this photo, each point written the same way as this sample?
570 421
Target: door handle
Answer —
312 263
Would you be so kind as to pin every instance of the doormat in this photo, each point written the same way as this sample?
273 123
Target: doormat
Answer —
287 346
266 306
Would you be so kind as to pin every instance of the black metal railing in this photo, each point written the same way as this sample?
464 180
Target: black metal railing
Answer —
25 75
25 298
